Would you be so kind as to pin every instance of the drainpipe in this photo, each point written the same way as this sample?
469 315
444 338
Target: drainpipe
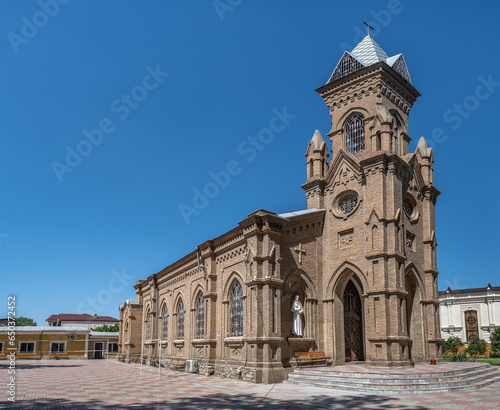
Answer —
40 345
156 315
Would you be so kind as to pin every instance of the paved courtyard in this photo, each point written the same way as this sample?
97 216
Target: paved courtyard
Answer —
96 384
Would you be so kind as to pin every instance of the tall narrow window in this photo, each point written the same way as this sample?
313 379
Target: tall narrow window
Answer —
180 320
126 332
396 127
355 133
148 327
397 141
164 324
236 311
200 317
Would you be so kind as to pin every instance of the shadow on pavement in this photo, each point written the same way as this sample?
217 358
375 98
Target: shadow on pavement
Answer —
222 401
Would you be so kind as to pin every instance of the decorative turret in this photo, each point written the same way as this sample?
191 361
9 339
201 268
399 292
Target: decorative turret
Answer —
426 159
317 157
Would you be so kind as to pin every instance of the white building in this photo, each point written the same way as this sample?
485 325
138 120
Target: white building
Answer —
469 312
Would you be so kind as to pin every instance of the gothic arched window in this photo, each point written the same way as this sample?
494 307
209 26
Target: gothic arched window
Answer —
164 323
126 331
354 133
148 327
180 320
200 317
397 143
236 311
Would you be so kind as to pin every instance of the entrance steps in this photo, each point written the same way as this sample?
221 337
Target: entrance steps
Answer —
441 378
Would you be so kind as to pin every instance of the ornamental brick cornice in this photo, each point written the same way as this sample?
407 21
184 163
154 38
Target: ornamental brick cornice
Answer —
379 78
314 185
385 160
431 193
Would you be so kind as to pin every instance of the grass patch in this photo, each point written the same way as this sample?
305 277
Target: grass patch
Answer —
494 361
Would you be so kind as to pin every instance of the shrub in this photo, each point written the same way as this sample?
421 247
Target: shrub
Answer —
476 347
495 342
452 345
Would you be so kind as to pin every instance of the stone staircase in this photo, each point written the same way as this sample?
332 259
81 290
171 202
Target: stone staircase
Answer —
446 377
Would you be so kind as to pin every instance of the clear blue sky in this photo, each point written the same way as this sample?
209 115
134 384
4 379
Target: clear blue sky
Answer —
67 235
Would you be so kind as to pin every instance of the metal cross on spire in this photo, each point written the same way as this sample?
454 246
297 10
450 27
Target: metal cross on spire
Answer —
368 27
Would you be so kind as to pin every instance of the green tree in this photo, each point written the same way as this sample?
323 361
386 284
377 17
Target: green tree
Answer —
476 347
452 345
25 321
495 342
107 328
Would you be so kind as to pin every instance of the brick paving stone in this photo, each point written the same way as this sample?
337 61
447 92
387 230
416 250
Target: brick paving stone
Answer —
93 384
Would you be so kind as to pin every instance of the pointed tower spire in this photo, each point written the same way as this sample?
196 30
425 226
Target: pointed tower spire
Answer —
317 157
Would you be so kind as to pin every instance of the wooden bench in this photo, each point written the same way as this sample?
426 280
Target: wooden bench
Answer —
175 362
153 361
310 357
121 357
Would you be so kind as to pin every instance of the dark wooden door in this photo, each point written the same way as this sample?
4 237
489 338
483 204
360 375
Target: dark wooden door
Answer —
98 348
471 327
353 324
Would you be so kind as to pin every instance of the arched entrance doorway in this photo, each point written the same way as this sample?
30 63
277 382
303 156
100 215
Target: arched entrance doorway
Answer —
414 317
353 323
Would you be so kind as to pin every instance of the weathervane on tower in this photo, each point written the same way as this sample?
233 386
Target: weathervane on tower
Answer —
368 27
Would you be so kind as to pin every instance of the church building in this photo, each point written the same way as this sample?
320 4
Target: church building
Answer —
354 275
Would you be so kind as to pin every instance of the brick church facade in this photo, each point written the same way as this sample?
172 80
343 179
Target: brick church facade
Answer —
361 258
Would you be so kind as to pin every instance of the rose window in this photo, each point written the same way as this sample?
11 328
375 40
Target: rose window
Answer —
408 207
348 204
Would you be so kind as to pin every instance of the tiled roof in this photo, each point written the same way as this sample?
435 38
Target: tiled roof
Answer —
368 52
300 213
69 317
365 54
471 290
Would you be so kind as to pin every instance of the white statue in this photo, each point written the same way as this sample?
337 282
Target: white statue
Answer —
297 310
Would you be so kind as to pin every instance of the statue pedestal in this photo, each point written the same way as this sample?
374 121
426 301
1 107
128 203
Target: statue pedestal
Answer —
300 344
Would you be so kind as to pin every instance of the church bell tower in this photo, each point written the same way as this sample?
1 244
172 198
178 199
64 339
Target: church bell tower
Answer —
379 238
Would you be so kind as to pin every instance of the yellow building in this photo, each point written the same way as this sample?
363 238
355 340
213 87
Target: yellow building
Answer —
50 342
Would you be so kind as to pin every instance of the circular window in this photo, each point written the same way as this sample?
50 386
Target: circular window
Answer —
348 204
408 207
